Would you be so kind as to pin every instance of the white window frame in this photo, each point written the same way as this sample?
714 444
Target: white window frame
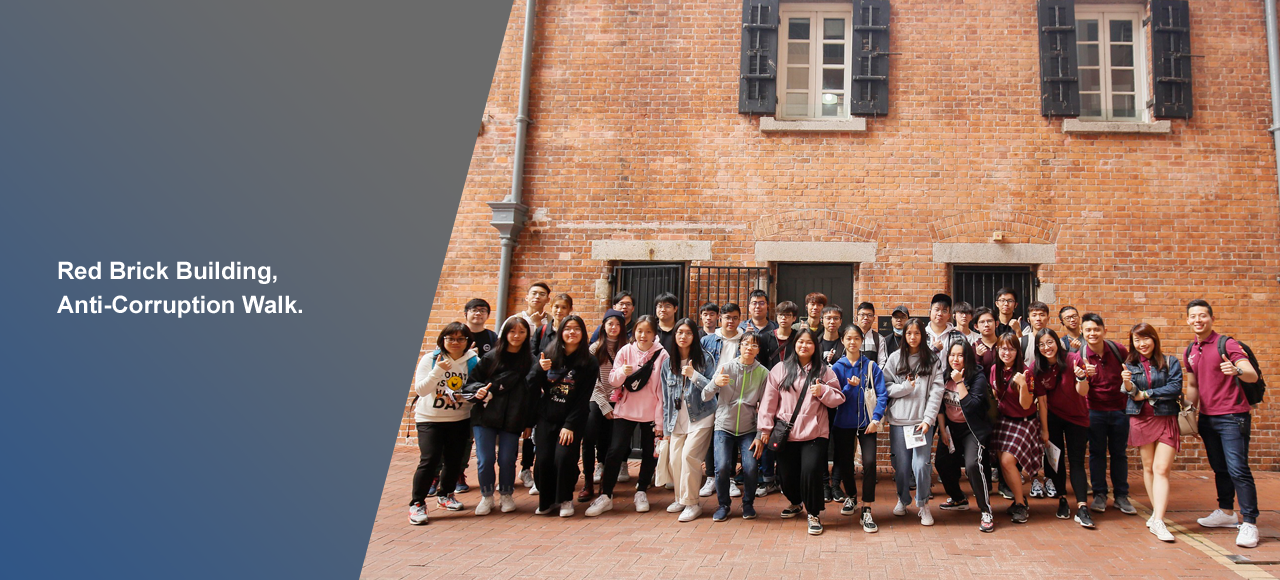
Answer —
1105 14
816 13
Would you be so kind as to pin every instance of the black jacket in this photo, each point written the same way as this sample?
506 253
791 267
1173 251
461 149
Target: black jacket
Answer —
974 406
511 408
563 393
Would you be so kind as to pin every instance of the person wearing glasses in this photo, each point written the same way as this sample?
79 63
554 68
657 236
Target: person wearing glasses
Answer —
443 418
1098 367
873 345
1071 337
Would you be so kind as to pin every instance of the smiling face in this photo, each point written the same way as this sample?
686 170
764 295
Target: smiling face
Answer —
1199 319
626 306
537 298
1048 347
851 340
612 328
476 317
1094 334
729 322
1007 354
560 309
804 348
516 335
572 333
759 308
955 358
1145 345
643 334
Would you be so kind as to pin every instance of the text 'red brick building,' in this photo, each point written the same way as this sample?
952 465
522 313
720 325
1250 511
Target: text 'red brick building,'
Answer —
887 150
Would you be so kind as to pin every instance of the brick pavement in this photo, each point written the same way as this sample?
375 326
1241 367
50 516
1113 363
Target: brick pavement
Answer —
622 544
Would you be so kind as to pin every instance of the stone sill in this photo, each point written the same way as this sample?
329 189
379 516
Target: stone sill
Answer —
1078 126
772 125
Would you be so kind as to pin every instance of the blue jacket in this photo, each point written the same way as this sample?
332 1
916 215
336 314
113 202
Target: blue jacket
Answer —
852 413
676 386
1162 393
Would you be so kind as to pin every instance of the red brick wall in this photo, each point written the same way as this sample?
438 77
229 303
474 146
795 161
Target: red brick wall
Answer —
636 135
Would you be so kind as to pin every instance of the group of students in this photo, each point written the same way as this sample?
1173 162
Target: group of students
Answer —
756 404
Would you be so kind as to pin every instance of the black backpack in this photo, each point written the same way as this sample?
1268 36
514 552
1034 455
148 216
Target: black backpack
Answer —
1253 392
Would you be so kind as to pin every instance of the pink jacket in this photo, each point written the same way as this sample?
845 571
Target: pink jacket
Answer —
644 405
778 404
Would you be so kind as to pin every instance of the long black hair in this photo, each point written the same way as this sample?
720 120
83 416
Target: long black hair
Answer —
927 359
792 363
605 355
696 357
1042 364
970 360
556 352
520 361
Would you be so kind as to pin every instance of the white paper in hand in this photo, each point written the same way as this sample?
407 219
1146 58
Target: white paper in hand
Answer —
1053 453
915 439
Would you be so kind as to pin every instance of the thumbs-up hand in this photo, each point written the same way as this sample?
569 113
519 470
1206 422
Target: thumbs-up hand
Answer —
1079 370
980 348
483 392
830 354
957 376
722 379
1090 369
1126 375
1016 325
1075 344
854 381
628 369
1020 380
814 388
444 362
1229 368
687 369
936 344
544 362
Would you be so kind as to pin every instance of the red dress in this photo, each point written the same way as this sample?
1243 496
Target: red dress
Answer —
1146 427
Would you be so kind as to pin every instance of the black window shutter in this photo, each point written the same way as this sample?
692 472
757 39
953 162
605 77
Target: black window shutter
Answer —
870 79
758 86
1171 51
1059 63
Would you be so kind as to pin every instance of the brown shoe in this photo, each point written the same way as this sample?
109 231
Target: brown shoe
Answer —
587 494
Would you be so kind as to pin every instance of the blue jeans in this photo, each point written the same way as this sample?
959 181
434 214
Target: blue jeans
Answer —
724 445
1109 433
767 465
1226 442
911 462
508 445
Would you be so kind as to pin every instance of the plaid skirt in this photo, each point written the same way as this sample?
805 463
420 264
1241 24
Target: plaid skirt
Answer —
1021 439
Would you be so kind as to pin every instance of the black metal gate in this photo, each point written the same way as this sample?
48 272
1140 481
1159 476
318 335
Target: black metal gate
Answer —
977 285
646 280
723 284
795 281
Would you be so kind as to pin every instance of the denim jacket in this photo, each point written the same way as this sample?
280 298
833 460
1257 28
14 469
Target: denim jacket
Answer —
1162 393
676 386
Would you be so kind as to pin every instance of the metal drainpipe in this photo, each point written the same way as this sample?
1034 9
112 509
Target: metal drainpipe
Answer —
509 214
1273 63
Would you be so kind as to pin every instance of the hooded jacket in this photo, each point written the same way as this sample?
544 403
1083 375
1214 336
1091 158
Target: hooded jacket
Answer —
563 393
777 404
439 391
852 413
912 402
739 401
718 346
677 386
644 405
510 407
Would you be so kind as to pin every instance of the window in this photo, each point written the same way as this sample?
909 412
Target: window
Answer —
977 285
814 76
1111 52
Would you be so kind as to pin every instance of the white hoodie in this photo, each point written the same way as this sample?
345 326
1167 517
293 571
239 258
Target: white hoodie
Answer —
436 388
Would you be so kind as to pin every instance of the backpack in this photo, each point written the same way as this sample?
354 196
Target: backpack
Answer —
1253 392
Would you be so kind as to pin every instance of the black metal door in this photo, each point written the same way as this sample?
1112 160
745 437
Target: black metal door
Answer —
795 281
977 285
724 284
646 280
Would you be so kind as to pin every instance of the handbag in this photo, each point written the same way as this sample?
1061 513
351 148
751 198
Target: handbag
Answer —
782 429
1187 423
662 473
869 398
638 379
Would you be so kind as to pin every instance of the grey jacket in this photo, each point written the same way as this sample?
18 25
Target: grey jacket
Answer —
912 403
740 399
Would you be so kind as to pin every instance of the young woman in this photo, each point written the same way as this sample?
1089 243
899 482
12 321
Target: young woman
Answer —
1018 440
857 421
1153 382
739 385
443 417
1067 422
914 381
687 420
498 385
565 378
596 437
638 406
964 434
805 379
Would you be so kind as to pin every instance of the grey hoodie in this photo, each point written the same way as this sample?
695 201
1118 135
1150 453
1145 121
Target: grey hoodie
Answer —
740 399
911 403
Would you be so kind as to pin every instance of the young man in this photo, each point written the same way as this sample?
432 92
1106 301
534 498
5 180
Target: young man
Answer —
963 313
814 302
758 314
624 303
1225 422
709 314
1006 305
664 308
985 347
787 313
1071 337
941 335
829 346
476 313
1098 365
893 338
723 348
873 345
1038 317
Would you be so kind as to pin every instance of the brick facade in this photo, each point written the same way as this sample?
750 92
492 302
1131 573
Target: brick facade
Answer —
636 136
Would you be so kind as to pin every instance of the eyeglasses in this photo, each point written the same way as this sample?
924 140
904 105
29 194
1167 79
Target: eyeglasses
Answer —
1004 301
455 339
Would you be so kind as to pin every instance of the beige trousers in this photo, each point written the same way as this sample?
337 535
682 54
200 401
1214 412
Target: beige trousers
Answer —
685 454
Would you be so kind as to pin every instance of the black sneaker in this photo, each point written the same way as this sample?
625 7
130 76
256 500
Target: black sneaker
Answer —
850 507
836 494
1020 513
748 512
815 526
1083 518
826 494
953 505
1122 504
1064 511
1005 492
1099 503
792 511
868 525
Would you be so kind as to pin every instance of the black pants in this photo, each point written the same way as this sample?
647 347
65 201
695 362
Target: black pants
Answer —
556 471
831 475
846 443
968 454
623 429
800 466
527 452
1072 439
595 439
447 443
709 462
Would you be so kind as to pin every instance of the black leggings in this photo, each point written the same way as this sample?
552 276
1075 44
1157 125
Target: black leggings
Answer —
623 429
968 454
595 438
1076 439
527 453
800 466
846 443
556 470
440 443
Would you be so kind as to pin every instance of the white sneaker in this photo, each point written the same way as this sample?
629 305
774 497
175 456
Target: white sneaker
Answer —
899 510
926 518
1158 528
624 474
507 503
566 509
708 488
599 505
599 474
675 507
733 489
485 506
533 490
418 514
526 477
1218 519
642 502
1150 520
1248 536
690 513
